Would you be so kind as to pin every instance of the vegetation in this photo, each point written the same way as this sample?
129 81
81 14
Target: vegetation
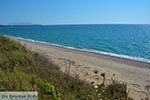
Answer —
24 70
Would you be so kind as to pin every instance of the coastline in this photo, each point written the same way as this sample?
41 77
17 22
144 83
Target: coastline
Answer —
114 56
135 73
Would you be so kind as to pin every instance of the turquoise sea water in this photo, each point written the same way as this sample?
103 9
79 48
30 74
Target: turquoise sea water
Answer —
129 41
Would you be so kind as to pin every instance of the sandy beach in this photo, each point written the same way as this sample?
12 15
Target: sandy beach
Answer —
84 64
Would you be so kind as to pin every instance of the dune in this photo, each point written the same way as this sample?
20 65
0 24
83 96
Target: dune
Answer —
88 66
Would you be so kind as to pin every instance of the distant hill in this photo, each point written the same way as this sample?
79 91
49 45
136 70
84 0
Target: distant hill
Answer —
23 23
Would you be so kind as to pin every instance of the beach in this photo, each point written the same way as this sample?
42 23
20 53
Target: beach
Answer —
88 66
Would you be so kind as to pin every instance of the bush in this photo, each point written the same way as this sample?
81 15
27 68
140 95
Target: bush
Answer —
48 89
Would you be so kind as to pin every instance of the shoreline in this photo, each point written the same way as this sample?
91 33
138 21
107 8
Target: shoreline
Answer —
135 74
133 62
136 61
117 59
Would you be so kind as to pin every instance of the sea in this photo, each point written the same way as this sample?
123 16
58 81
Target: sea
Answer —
121 40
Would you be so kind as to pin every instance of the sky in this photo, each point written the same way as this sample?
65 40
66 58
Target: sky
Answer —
49 12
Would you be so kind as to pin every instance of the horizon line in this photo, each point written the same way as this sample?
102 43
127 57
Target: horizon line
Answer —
78 24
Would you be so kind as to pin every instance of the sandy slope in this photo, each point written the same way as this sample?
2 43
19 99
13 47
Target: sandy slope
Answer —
135 74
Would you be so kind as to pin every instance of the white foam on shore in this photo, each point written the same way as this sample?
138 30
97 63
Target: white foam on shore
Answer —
87 50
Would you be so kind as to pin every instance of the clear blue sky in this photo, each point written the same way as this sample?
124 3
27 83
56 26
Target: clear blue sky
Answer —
75 11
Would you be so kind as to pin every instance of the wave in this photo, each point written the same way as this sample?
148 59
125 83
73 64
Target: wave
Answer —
87 50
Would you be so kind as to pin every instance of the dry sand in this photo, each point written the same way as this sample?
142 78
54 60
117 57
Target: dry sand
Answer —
135 73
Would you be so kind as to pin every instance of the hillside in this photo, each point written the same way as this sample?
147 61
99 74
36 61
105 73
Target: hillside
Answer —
25 70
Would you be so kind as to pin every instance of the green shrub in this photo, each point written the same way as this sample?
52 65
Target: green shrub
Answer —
48 89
